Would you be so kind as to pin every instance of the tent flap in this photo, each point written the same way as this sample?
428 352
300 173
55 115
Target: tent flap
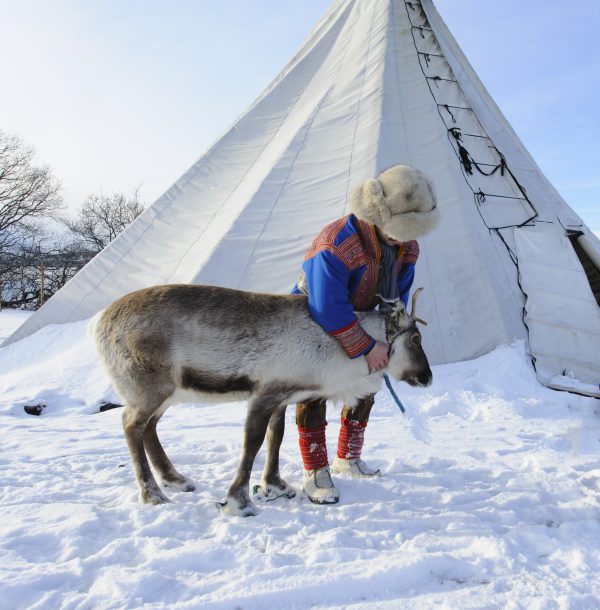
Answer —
561 311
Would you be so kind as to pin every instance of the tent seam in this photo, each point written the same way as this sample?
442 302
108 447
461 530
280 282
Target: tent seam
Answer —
300 148
362 88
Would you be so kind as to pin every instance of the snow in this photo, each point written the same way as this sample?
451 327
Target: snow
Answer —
10 320
489 498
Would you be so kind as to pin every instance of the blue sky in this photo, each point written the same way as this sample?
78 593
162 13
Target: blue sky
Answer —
119 93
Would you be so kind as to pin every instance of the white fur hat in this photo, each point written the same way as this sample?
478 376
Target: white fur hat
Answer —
400 201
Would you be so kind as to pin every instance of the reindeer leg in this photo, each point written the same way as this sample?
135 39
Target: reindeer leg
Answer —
272 485
168 475
134 424
238 500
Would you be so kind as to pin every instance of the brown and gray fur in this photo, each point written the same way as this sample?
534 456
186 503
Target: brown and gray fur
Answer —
183 343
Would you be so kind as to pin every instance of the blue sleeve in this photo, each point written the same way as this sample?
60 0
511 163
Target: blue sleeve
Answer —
327 279
405 280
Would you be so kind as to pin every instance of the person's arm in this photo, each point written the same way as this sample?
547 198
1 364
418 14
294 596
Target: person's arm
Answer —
327 279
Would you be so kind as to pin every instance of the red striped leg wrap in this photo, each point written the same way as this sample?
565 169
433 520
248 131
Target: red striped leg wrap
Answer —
313 447
351 439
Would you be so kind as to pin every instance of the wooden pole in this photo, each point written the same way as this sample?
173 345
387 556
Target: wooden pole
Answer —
42 269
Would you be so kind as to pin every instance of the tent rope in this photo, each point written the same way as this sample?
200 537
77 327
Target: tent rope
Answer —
447 109
466 160
454 134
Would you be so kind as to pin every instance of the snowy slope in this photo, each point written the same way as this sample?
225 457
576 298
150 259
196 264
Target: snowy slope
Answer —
489 499
10 320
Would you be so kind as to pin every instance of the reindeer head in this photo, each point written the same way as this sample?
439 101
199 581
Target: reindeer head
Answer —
408 361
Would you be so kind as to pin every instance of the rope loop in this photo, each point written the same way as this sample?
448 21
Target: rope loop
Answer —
455 131
503 165
447 109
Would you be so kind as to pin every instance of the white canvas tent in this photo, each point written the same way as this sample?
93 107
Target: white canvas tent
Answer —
377 82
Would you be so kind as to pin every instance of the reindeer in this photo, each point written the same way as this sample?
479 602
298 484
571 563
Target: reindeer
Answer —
183 343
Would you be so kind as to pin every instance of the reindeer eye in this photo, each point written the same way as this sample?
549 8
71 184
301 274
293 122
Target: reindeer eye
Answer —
416 339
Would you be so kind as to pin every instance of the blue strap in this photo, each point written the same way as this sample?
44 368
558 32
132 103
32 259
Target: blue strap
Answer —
388 383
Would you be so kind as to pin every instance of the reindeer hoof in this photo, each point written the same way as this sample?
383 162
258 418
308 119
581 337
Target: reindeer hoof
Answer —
269 493
179 484
231 507
249 511
154 497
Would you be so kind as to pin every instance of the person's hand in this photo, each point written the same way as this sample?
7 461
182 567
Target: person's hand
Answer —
377 358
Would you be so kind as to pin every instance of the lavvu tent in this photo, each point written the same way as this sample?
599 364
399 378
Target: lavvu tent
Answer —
377 82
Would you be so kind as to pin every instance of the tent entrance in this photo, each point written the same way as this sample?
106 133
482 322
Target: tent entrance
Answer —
591 270
561 310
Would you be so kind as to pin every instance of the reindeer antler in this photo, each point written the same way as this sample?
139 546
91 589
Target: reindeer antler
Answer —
416 293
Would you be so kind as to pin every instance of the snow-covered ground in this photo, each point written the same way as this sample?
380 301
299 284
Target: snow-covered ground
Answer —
10 320
489 499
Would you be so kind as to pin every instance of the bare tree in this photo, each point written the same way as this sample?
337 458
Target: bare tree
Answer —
38 268
27 191
36 263
28 194
103 217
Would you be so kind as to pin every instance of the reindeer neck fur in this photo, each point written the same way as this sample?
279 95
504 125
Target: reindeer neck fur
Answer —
358 382
378 326
374 324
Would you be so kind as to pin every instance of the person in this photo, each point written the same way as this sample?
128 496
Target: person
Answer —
357 259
